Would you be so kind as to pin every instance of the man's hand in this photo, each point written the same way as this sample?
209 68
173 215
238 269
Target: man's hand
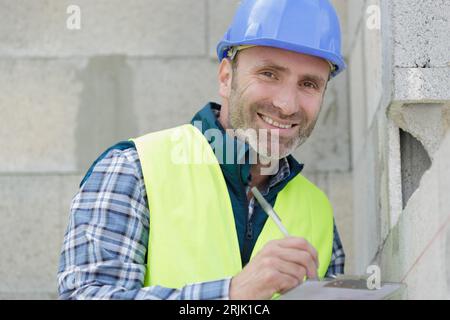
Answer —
280 266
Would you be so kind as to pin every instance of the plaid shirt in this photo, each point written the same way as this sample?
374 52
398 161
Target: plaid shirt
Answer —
105 244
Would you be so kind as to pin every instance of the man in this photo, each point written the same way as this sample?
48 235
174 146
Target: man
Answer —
149 222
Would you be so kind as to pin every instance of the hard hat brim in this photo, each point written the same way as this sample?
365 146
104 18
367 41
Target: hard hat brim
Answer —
336 60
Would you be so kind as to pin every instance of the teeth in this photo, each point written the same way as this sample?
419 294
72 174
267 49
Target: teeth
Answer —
275 124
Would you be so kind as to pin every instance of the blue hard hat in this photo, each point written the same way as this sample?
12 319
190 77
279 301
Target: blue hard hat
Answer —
305 26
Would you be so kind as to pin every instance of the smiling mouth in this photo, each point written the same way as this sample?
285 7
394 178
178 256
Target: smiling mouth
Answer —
275 123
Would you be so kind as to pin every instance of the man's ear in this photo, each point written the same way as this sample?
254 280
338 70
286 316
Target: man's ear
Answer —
225 76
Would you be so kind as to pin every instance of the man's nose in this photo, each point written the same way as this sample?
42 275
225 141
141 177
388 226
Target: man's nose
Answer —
286 101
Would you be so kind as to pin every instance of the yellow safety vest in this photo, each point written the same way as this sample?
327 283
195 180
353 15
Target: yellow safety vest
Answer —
192 229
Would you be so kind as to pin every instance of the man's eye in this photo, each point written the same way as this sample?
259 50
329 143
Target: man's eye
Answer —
268 74
309 84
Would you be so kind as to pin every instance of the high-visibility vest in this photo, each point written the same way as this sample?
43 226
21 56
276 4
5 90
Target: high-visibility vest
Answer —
192 232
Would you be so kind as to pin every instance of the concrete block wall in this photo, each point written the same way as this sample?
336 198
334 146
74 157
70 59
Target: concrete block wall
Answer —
399 98
133 67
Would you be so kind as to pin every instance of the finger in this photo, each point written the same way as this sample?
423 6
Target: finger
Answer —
300 257
292 269
299 243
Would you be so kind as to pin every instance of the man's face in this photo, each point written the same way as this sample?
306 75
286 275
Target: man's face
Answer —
278 91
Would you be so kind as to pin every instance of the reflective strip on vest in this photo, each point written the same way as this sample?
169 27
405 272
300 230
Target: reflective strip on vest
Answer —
192 236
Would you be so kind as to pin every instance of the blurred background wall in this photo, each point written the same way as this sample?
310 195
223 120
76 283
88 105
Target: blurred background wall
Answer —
143 65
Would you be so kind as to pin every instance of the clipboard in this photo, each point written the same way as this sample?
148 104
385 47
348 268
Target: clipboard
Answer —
344 288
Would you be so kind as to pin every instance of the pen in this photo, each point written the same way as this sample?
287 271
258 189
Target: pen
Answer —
269 210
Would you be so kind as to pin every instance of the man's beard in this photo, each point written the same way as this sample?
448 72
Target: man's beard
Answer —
269 146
